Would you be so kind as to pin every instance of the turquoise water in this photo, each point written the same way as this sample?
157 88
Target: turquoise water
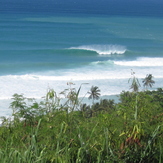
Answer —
48 44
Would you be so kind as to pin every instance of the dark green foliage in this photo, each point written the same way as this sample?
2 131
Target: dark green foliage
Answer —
148 81
94 93
106 132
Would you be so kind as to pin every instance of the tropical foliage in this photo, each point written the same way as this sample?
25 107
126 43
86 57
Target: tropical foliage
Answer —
94 93
129 131
148 81
134 82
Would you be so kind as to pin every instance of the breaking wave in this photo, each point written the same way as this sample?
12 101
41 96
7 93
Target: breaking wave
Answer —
142 62
103 49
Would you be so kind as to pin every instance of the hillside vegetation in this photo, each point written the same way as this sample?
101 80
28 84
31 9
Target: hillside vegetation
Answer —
129 131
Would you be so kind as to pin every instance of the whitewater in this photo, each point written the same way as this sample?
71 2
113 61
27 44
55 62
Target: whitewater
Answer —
42 50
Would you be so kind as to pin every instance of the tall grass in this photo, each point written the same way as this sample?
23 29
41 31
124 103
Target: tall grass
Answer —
129 131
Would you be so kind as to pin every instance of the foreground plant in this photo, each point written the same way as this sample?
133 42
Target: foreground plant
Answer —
47 132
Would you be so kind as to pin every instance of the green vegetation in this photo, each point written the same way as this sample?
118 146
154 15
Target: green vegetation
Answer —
134 82
148 81
94 93
129 131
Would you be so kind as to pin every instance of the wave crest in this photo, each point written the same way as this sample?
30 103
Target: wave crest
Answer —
103 49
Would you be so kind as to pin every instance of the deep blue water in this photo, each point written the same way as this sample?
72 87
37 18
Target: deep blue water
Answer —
106 7
48 43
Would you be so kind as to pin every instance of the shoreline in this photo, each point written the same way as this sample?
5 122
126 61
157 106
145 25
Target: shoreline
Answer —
6 111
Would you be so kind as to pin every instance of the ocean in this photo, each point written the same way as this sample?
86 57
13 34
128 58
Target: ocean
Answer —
46 44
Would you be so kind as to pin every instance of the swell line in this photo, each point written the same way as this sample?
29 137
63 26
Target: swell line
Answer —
103 49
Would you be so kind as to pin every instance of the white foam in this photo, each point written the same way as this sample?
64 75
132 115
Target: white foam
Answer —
142 62
112 79
103 49
36 86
